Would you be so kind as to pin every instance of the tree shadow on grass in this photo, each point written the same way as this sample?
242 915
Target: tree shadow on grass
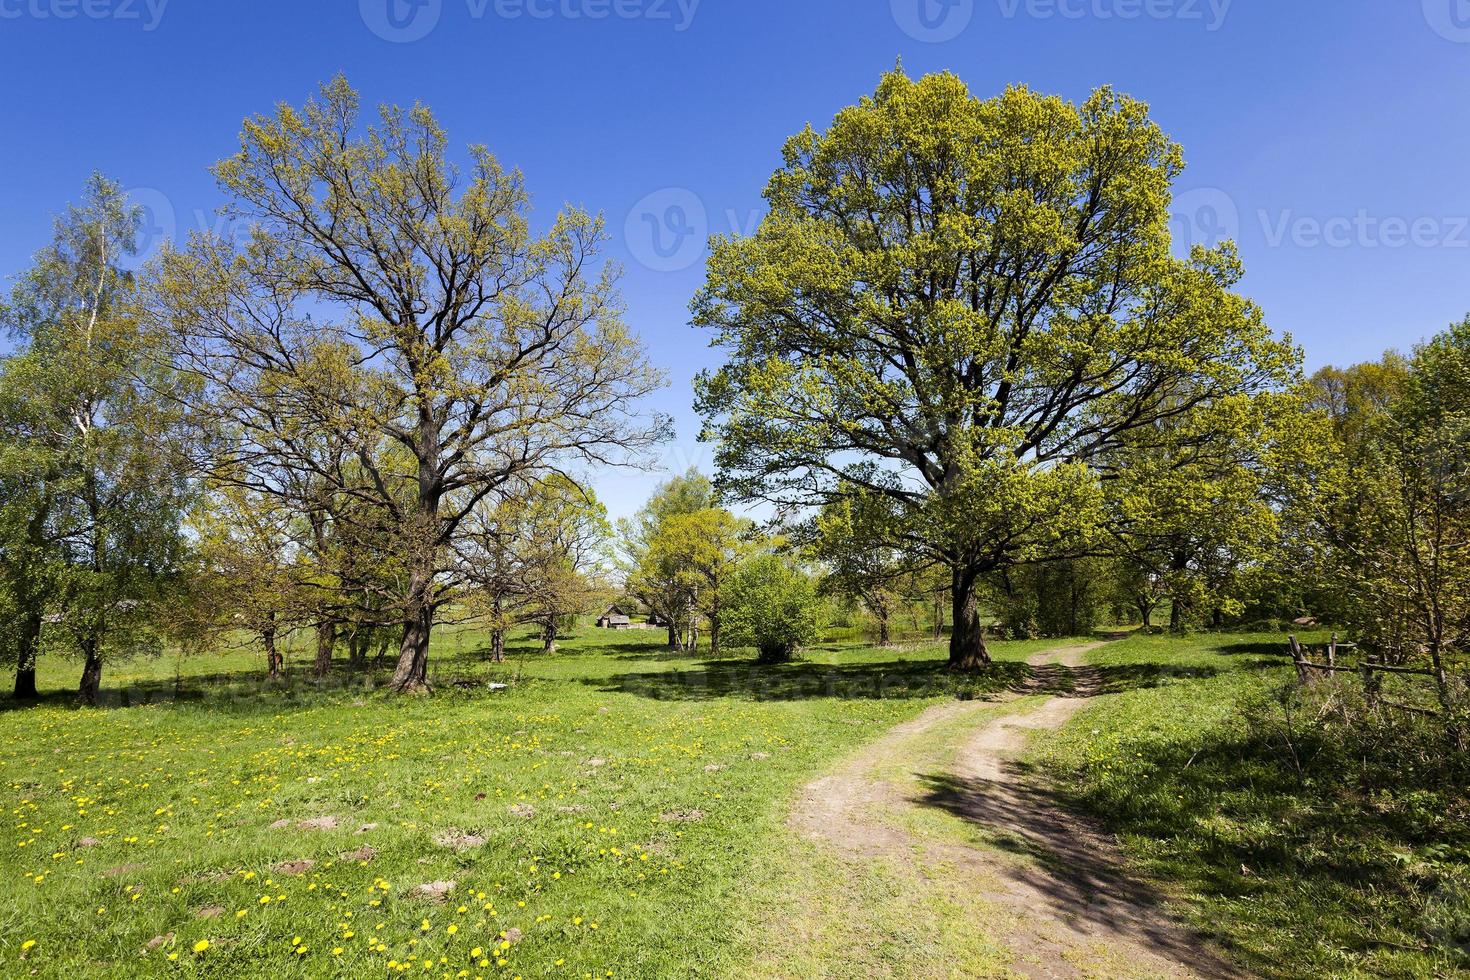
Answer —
1072 872
708 680
1117 678
1225 816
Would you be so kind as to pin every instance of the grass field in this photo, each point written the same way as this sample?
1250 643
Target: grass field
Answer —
1188 760
617 811
599 817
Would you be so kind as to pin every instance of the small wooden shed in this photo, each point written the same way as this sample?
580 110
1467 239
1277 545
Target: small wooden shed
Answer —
614 619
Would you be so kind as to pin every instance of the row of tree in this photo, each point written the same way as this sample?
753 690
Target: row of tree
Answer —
962 365
365 413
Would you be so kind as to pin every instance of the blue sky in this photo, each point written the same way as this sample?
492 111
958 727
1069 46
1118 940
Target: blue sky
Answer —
1329 137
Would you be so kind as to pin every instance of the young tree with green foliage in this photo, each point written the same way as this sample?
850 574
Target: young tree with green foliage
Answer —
28 553
850 537
961 305
1193 516
107 446
651 573
535 557
1399 516
693 556
771 605
388 297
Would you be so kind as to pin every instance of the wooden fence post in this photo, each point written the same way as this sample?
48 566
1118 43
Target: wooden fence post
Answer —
1298 659
1370 683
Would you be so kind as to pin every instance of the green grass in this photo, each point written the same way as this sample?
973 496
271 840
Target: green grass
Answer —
629 809
144 827
1352 869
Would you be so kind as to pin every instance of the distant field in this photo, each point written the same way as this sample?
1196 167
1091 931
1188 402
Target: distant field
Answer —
598 818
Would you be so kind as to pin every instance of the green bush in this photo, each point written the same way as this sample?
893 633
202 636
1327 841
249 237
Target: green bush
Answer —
772 606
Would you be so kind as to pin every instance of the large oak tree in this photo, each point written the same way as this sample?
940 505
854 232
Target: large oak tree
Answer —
960 305
412 311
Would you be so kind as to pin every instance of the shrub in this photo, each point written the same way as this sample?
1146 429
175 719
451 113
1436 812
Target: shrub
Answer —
772 606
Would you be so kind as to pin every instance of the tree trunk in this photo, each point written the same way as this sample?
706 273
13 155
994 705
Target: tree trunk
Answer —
326 639
548 635
29 643
497 646
272 656
91 684
674 639
938 615
967 650
1178 565
357 647
1146 609
412 673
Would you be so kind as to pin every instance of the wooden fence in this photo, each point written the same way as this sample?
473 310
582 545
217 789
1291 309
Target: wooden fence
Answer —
1371 671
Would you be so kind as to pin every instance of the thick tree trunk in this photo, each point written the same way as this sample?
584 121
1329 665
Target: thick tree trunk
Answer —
29 642
674 639
497 646
1147 611
967 650
412 673
91 685
714 635
548 635
326 639
357 647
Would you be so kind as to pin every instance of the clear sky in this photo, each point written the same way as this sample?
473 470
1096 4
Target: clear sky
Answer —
1330 137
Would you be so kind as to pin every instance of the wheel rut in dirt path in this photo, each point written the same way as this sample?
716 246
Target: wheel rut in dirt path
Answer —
1055 889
